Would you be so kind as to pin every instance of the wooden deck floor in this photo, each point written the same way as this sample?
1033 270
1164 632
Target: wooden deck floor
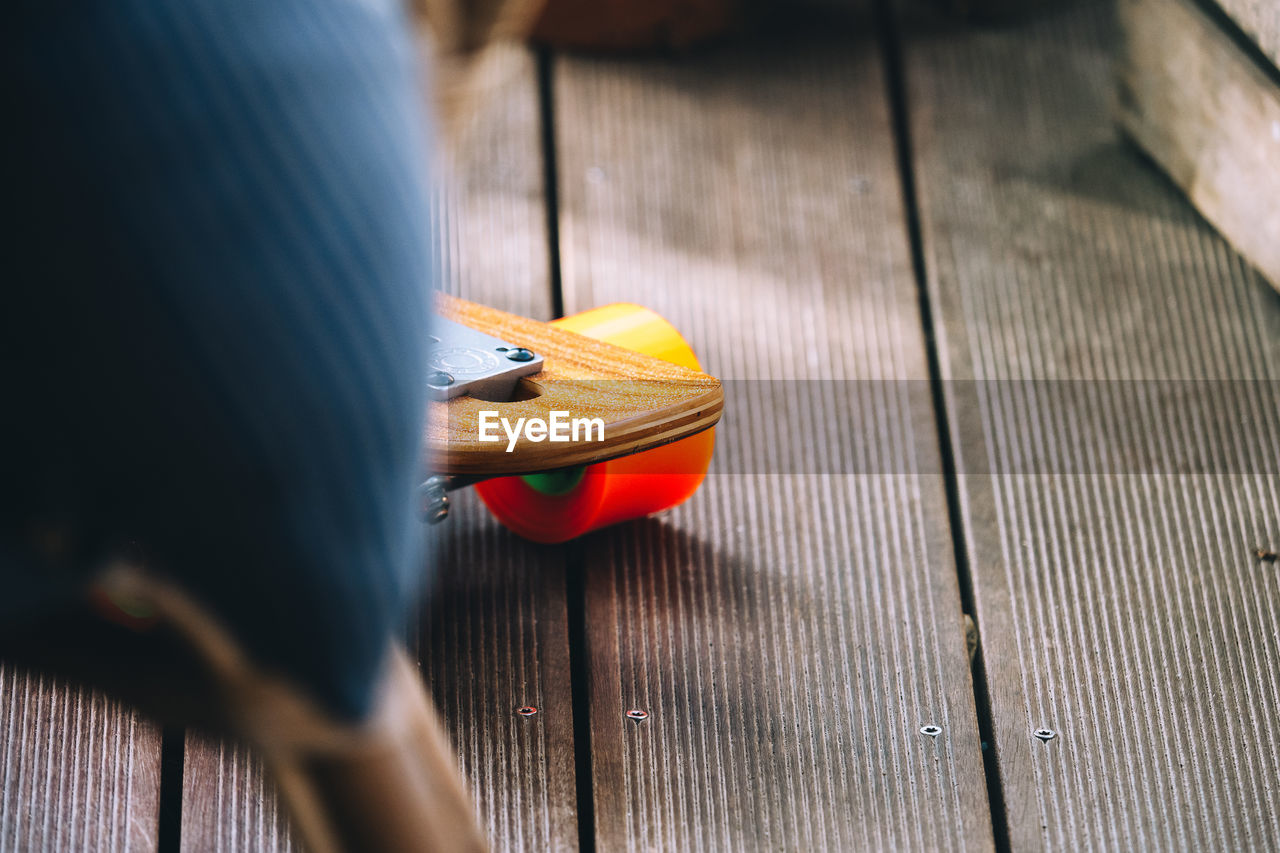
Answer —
983 361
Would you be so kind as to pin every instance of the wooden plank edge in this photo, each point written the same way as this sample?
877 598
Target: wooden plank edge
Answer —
1209 117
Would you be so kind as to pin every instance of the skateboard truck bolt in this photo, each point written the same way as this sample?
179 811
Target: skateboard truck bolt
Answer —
433 499
462 360
520 354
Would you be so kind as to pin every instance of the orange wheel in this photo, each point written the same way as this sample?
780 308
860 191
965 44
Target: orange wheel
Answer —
558 505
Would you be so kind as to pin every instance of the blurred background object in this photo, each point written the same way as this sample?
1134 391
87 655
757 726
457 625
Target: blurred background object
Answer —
632 25
459 37
1200 91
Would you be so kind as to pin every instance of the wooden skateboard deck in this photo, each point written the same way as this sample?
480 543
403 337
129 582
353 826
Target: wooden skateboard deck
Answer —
643 401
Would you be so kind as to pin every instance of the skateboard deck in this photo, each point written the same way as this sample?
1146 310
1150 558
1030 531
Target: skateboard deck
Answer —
643 401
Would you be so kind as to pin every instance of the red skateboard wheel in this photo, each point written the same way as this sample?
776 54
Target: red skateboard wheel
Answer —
559 505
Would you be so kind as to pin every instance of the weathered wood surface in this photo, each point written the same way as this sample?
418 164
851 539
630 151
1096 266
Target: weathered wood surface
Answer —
1210 116
1260 22
77 770
226 801
788 634
1112 501
493 636
495 640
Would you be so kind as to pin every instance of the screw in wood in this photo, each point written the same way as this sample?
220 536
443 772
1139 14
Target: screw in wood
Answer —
1045 734
527 711
930 730
637 715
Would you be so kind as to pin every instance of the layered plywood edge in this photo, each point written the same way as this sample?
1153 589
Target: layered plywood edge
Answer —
642 401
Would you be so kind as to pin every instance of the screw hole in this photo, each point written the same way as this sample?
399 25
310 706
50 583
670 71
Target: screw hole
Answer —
637 714
930 730
1045 734
527 711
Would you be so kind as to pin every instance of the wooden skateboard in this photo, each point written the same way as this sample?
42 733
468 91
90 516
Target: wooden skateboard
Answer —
566 426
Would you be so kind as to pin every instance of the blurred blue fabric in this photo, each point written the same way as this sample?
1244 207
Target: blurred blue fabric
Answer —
214 333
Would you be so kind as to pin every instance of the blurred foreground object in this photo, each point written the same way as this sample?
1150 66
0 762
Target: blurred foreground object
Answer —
996 11
1200 91
214 355
386 782
633 24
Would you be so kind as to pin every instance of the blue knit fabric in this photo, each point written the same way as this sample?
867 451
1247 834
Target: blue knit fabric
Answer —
214 336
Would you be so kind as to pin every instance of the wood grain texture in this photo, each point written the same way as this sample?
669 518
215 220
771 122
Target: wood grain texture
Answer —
642 401
1120 606
787 634
1210 116
77 771
227 801
1260 21
493 640
492 637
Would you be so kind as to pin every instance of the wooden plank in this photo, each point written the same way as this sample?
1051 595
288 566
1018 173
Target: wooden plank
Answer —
493 637
1117 454
227 803
788 634
1260 21
77 770
495 640
1210 116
